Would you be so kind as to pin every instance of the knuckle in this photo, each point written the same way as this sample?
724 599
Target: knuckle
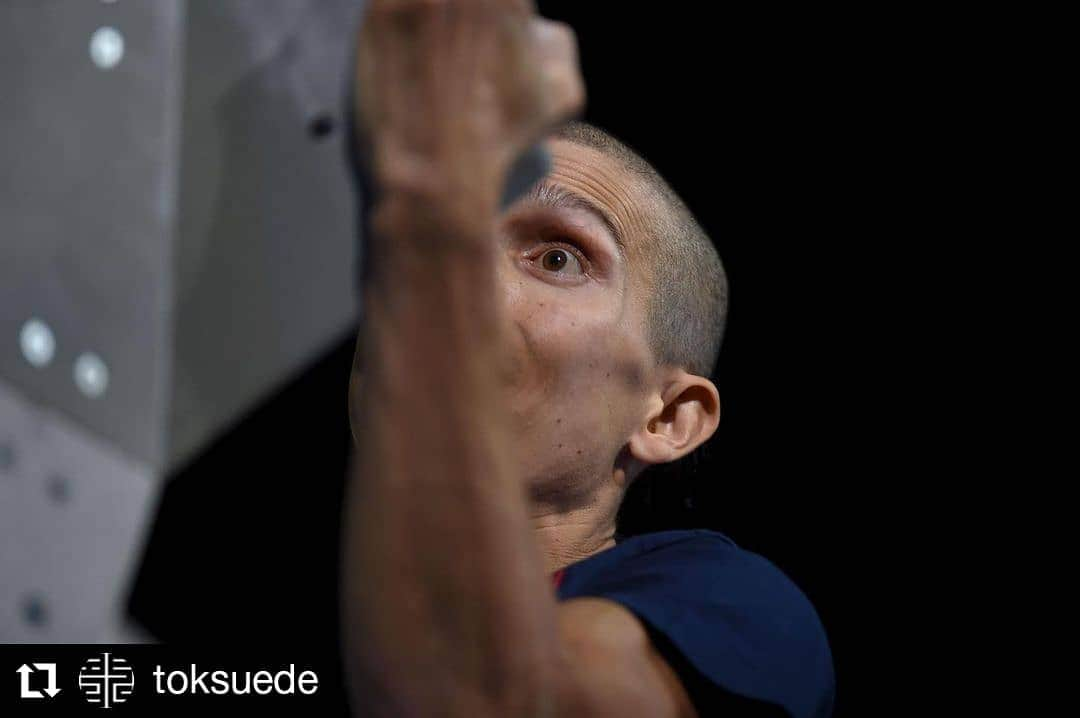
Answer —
557 42
564 36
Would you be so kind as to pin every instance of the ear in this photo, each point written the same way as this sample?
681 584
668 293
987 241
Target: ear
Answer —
680 418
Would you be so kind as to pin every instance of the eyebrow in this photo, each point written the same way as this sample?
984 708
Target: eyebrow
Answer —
546 194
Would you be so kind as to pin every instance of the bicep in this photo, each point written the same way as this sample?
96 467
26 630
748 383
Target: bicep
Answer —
610 666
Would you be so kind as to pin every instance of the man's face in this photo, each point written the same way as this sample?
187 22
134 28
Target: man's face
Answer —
574 299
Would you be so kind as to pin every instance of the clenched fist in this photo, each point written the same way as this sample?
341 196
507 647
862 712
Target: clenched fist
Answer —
450 92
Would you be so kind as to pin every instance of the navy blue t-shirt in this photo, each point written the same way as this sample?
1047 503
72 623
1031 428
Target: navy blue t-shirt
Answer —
742 637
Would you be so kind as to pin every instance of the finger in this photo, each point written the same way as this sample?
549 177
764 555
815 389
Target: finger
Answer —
564 86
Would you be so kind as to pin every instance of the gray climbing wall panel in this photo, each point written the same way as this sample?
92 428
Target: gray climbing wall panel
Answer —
175 243
74 513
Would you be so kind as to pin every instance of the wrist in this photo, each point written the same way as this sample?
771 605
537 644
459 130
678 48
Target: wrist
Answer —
459 186
429 258
433 219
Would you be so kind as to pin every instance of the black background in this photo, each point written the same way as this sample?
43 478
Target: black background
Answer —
773 128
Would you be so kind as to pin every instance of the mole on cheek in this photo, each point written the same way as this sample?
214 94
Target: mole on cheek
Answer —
632 374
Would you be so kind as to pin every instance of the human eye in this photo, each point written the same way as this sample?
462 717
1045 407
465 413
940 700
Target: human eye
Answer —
561 260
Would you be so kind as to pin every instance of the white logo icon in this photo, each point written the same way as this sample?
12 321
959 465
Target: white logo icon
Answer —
24 680
106 680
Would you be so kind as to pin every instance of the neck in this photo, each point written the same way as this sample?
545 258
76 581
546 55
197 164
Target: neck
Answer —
566 536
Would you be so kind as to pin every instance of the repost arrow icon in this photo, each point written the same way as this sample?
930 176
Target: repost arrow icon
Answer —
49 668
24 682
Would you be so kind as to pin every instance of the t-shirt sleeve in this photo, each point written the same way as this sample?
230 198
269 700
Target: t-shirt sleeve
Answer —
742 637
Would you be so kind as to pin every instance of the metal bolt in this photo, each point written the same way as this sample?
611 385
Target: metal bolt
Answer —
59 489
35 611
106 47
37 342
321 126
91 375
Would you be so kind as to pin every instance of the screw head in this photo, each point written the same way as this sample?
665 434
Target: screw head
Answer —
106 47
37 342
91 375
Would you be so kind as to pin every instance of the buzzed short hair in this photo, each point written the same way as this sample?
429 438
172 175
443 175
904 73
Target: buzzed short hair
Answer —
687 311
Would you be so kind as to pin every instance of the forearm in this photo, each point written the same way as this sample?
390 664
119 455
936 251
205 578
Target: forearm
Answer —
448 608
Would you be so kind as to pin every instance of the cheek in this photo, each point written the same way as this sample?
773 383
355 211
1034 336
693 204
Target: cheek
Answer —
580 360
568 338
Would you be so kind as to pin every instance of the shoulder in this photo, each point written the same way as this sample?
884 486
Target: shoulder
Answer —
611 667
719 613
694 565
690 564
